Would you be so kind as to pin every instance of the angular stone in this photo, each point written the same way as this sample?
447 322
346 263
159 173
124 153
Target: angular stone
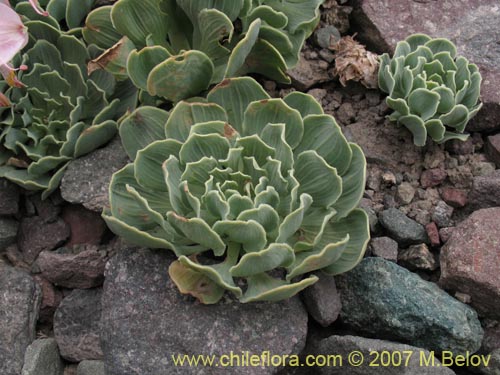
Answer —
36 235
493 367
454 197
470 261
482 168
81 266
42 358
326 36
406 192
401 228
433 234
485 191
493 149
307 73
86 227
141 302
20 299
90 368
51 298
417 257
474 35
322 300
9 197
432 177
77 325
442 214
86 180
458 147
445 233
491 340
8 232
384 300
345 345
384 247
46 209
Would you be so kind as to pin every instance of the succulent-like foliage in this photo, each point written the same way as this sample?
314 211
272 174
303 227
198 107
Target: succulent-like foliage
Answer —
181 47
251 193
60 113
431 90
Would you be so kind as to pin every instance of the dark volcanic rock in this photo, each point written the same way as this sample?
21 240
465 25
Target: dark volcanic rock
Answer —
86 180
9 197
87 227
77 325
485 191
403 229
322 300
476 37
417 257
470 260
145 320
51 298
20 299
36 235
384 300
493 149
8 232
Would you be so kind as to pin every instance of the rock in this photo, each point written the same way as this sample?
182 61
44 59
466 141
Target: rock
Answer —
86 180
470 261
322 300
457 147
345 114
70 369
384 247
474 35
454 197
318 94
432 177
15 257
80 267
389 178
406 193
36 235
482 168
491 339
141 302
337 16
433 234
485 191
493 367
493 149
382 299
44 208
308 73
77 325
86 227
326 36
9 197
417 257
401 228
372 215
345 345
462 297
445 233
442 214
91 368
8 232
42 358
51 298
20 299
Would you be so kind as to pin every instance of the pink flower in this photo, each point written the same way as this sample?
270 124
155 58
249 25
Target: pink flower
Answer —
36 6
9 74
13 34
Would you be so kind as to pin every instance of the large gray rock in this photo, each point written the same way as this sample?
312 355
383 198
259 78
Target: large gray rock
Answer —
413 359
42 358
470 261
471 24
145 320
384 300
8 232
403 229
90 368
20 299
77 325
86 180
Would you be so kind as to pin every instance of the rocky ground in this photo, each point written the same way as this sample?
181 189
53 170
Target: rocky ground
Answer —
75 299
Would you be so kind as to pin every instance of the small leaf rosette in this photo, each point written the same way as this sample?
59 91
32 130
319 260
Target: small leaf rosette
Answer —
175 49
432 91
251 193
55 112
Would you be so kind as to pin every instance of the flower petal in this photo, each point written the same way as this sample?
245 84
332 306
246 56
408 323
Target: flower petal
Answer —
13 34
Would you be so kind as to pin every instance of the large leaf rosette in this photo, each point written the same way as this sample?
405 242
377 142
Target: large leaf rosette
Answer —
251 193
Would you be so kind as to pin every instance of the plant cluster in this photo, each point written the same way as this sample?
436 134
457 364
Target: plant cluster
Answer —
432 91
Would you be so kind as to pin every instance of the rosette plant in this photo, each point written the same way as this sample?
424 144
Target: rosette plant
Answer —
432 91
55 111
251 193
175 49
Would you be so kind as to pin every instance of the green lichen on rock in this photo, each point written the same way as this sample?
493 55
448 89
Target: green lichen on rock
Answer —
184 46
251 193
59 112
432 91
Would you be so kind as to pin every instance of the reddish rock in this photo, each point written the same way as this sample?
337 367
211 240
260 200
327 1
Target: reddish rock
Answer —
86 227
9 197
493 149
384 247
454 197
36 235
51 298
433 233
470 261
46 209
432 177
445 233
474 35
79 267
